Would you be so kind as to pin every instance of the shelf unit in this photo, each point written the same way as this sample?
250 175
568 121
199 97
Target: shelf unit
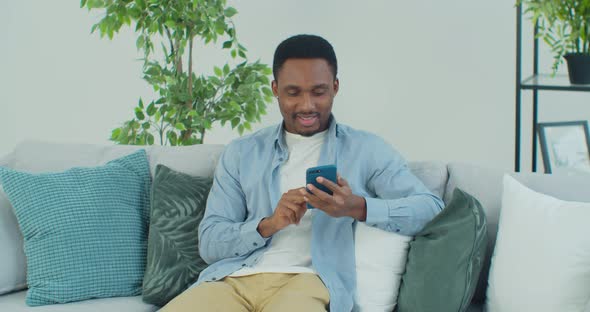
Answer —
535 83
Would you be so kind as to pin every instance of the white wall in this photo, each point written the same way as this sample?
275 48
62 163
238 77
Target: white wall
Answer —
435 78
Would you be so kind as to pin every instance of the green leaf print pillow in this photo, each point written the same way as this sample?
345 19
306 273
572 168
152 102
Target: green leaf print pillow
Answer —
177 207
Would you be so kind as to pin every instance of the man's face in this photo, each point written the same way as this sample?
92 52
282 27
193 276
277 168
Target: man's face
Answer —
305 89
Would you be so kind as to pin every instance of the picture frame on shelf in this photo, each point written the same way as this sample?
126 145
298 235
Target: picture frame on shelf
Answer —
565 145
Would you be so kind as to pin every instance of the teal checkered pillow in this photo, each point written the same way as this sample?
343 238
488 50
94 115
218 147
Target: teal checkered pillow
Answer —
84 229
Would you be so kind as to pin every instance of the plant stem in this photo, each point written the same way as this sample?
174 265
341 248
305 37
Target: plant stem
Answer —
188 104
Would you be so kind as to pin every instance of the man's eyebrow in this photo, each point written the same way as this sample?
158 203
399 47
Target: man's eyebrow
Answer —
318 86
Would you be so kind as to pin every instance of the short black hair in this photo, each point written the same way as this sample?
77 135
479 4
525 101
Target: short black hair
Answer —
305 47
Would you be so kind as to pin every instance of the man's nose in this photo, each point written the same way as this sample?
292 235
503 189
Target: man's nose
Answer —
307 103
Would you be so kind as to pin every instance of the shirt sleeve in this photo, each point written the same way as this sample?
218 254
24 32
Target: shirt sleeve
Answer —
224 231
403 204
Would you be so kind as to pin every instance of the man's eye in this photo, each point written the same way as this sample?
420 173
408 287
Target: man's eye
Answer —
319 92
292 93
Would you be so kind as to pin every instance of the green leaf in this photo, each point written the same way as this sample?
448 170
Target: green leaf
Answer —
115 134
180 126
227 45
140 42
226 69
229 12
82 3
242 54
139 114
235 122
92 4
150 139
146 125
170 24
140 103
151 109
218 71
267 91
241 129
220 27
233 53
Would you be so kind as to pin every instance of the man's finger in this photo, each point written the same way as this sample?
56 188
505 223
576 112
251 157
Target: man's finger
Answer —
294 196
341 181
329 184
288 212
319 193
316 202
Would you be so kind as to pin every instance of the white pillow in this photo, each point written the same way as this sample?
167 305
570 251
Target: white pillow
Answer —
542 257
380 262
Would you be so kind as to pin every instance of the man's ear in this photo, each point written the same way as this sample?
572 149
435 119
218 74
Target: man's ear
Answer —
275 88
336 86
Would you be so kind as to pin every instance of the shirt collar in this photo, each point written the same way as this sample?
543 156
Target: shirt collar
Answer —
279 136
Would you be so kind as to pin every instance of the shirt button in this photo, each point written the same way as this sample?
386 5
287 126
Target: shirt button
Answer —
243 264
237 254
373 225
397 230
213 278
255 244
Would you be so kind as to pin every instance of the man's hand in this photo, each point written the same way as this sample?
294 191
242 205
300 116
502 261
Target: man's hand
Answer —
341 204
289 210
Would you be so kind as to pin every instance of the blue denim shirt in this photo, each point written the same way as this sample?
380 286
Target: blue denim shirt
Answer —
246 189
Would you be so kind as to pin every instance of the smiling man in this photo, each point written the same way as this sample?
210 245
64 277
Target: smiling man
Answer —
266 250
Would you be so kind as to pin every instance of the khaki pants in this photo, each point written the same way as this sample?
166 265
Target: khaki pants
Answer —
264 292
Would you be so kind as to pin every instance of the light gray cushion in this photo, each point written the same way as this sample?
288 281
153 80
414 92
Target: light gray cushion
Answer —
433 174
15 302
485 184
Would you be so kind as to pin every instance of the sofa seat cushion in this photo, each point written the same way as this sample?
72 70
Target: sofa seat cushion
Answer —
15 302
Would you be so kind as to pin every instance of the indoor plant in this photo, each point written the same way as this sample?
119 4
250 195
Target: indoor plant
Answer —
187 104
565 26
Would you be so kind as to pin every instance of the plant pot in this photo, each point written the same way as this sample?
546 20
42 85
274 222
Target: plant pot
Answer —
578 67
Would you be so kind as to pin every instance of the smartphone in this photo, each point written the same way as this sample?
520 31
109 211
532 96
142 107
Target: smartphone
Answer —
327 172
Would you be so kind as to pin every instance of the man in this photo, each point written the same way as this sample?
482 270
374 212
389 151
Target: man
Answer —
266 250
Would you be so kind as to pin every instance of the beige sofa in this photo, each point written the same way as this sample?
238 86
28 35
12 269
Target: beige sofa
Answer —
441 178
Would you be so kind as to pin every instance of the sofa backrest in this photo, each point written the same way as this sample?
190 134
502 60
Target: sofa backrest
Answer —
35 156
433 174
486 185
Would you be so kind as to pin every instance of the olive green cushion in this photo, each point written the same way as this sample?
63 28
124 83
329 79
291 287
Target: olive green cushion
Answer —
445 259
177 207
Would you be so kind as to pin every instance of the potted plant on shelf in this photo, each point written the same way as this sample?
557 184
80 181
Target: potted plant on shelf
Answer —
565 26
187 104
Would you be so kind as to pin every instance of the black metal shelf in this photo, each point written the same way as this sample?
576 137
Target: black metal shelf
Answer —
535 83
551 83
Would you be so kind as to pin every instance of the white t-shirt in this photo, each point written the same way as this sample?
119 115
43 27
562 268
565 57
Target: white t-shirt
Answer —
290 248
